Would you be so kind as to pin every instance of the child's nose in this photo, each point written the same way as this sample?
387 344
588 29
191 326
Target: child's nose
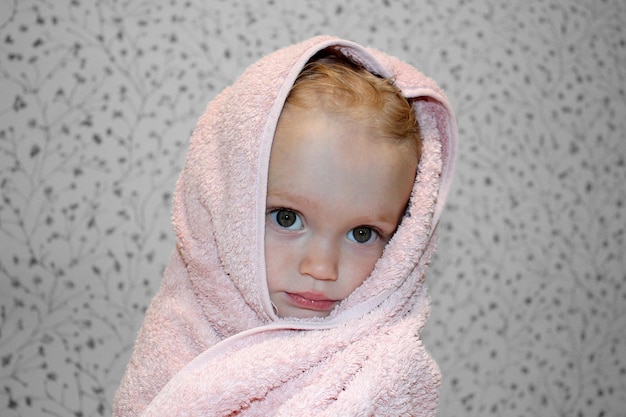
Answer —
320 260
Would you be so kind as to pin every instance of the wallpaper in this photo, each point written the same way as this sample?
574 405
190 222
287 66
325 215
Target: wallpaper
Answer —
528 286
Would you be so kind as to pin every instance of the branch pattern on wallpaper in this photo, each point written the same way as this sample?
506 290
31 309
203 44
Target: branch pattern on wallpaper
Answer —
98 100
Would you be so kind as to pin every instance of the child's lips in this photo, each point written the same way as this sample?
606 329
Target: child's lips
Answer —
311 301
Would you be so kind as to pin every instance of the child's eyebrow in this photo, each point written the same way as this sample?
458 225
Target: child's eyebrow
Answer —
290 197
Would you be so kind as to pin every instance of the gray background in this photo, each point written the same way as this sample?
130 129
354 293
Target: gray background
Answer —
97 101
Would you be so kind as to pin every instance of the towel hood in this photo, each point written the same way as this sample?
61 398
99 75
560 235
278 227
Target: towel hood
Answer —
220 195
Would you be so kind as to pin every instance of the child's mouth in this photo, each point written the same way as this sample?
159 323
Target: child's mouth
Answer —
311 301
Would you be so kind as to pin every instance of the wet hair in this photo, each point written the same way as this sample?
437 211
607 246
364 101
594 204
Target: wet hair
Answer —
334 83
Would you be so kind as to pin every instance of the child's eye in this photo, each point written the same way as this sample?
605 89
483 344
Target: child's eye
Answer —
286 218
363 234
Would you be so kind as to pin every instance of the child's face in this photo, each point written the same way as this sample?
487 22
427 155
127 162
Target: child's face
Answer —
335 196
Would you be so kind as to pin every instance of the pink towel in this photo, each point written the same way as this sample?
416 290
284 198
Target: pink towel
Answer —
211 344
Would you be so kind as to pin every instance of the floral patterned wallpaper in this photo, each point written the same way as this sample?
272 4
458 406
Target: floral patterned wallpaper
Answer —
98 99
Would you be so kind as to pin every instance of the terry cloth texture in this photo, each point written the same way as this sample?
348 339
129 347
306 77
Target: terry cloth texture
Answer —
211 344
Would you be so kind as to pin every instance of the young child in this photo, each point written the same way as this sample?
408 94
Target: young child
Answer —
305 218
342 167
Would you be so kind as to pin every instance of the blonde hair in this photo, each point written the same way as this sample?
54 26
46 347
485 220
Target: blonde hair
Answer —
332 82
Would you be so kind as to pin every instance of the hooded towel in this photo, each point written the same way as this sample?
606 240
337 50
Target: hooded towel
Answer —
211 343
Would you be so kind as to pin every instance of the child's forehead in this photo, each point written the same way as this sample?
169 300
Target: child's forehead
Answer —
316 149
302 129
